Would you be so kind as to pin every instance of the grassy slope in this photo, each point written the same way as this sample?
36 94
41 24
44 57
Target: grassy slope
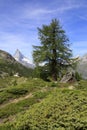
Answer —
63 109
25 93
23 87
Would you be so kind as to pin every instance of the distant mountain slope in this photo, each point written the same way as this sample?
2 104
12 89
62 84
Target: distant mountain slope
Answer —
9 66
82 66
6 56
22 59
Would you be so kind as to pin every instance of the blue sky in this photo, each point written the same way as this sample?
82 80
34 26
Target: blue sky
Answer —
19 20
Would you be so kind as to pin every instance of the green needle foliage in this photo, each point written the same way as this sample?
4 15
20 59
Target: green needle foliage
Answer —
54 50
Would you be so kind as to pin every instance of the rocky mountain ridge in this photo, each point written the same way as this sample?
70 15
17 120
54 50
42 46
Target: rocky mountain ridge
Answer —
6 56
23 60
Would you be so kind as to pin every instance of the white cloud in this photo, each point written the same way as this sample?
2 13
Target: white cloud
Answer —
39 12
83 17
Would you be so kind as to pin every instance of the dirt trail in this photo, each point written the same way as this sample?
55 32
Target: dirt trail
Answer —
21 98
30 95
16 100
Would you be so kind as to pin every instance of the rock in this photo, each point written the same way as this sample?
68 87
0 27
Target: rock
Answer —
71 87
68 77
16 75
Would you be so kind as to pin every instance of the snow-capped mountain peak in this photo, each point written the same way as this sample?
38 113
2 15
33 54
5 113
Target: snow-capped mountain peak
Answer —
18 55
22 59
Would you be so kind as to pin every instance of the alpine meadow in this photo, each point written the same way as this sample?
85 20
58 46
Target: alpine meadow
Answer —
43 65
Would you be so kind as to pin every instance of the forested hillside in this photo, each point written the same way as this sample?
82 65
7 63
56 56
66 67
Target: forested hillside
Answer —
9 66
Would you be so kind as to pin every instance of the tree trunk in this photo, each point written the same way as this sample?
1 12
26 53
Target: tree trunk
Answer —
54 76
54 66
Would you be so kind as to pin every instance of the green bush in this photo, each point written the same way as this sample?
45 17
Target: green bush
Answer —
41 95
82 85
17 91
78 76
53 84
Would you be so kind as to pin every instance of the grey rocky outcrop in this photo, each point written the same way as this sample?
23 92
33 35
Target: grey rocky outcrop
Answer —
68 77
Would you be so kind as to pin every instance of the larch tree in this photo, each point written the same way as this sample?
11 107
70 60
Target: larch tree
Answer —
54 50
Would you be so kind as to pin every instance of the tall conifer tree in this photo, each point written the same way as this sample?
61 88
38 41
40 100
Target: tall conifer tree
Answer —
54 50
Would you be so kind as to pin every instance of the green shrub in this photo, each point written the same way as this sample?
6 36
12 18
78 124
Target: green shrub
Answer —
82 85
53 84
17 91
41 95
78 76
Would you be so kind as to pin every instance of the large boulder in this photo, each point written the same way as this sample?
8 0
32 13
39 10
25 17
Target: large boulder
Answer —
68 77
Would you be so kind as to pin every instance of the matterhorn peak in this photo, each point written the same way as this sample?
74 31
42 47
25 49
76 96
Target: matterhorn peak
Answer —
18 55
22 59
